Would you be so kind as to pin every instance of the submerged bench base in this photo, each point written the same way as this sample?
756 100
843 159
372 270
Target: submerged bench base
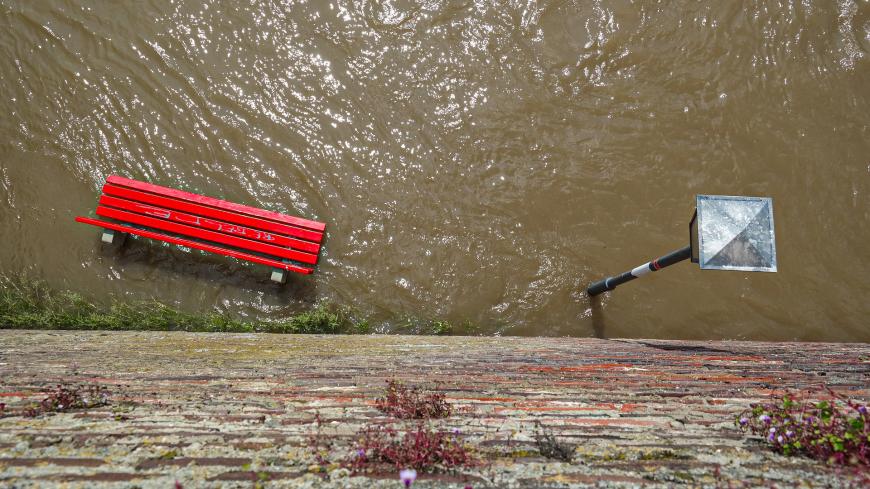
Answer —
112 237
117 238
279 274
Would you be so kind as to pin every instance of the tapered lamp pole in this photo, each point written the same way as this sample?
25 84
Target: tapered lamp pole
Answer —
611 283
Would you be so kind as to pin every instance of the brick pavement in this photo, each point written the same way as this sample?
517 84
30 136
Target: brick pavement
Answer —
229 410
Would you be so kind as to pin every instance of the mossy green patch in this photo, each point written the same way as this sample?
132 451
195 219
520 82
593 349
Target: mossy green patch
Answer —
663 455
641 454
168 455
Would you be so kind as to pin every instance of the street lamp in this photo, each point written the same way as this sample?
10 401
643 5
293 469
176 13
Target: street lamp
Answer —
725 233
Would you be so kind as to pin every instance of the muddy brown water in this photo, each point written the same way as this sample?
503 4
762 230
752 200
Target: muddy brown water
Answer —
473 160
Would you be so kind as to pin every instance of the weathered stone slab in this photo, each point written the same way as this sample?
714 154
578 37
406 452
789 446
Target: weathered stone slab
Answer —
229 410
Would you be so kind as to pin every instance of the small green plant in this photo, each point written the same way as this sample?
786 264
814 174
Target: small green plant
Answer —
261 479
410 324
321 319
360 326
441 328
835 430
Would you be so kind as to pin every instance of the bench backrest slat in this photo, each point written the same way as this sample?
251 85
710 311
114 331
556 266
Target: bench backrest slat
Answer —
212 212
214 236
216 203
207 223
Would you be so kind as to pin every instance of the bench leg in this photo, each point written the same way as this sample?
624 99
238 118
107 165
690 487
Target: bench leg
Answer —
111 237
280 275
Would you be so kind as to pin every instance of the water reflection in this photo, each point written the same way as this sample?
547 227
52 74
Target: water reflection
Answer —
596 316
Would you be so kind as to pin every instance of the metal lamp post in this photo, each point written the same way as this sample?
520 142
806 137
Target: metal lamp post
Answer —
725 233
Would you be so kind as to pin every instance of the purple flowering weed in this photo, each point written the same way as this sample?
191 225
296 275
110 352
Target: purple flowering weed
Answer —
834 430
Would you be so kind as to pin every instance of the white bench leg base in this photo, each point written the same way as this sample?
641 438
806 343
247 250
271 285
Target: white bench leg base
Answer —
111 237
279 275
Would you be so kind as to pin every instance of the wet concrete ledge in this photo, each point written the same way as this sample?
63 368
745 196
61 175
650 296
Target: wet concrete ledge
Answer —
215 410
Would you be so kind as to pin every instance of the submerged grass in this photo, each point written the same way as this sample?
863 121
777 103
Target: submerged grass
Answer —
31 304
435 326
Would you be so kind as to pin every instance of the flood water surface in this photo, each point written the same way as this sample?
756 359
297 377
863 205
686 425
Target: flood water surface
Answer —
475 161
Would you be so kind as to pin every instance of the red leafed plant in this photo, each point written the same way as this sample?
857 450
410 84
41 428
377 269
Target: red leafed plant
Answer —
835 430
422 448
62 398
412 403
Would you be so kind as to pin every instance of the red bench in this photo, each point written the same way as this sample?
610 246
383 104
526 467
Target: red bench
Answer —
283 242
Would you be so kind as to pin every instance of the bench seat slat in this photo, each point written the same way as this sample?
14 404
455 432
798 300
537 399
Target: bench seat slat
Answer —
220 204
195 244
214 213
205 234
210 224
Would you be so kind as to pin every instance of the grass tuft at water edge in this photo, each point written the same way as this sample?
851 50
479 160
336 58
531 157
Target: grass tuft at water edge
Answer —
31 304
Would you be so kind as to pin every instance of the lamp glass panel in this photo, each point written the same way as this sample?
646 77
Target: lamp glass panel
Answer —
736 233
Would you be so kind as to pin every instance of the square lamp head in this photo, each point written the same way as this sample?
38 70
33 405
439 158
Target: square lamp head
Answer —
733 233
